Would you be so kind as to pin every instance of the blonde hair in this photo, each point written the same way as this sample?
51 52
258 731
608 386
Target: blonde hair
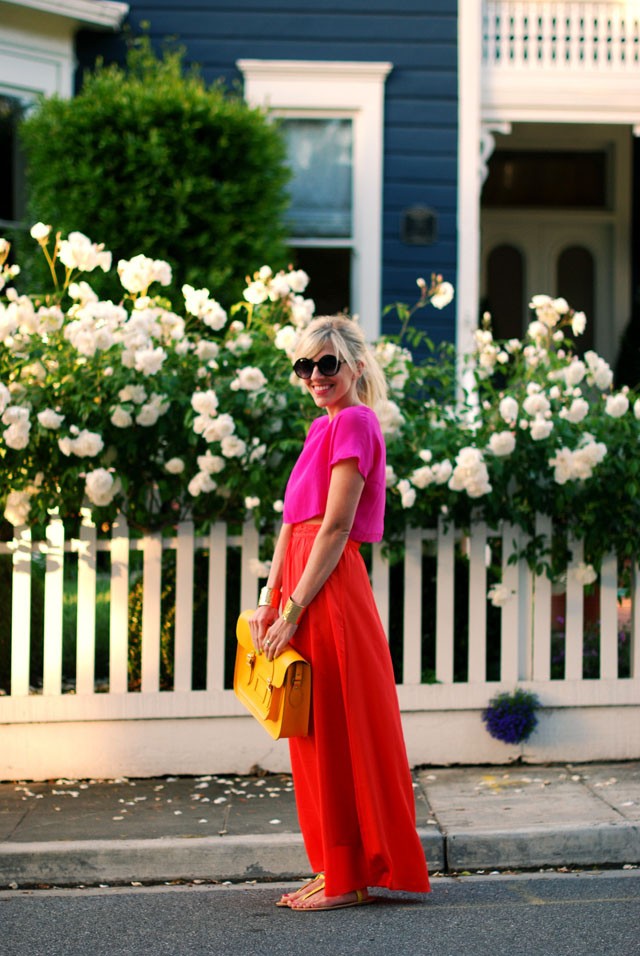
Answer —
347 340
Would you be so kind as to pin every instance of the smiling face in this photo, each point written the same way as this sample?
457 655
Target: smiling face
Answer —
333 392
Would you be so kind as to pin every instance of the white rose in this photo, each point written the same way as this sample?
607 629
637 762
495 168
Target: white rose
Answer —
40 232
175 466
286 339
211 464
574 373
585 573
133 393
298 280
5 397
251 502
278 506
205 403
121 418
389 416
616 405
390 477
217 429
636 408
201 483
232 447
422 477
249 379
442 471
541 428
206 350
149 361
502 443
17 507
50 419
214 316
577 411
508 409
536 404
442 296
256 292
87 444
279 287
16 436
101 487
302 311
407 493
259 568
578 323
242 343
78 252
499 594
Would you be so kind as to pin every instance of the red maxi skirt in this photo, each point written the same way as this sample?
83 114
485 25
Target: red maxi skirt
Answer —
354 792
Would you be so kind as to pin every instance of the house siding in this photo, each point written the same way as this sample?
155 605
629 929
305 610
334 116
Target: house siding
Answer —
420 145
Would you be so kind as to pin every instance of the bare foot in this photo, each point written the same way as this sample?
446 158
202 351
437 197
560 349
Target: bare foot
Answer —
311 886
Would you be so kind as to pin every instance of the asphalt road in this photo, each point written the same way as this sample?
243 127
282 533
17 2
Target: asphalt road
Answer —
508 915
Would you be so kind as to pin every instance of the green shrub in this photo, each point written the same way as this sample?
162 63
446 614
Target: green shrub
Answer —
150 160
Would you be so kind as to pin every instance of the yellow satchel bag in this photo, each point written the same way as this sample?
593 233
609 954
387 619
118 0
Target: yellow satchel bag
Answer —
278 692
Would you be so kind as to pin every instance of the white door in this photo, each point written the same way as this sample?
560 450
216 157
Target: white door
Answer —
529 252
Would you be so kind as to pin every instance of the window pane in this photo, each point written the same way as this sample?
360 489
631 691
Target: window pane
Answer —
10 171
505 292
320 156
329 277
555 179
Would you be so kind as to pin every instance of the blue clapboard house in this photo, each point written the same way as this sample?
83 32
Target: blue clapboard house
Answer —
493 142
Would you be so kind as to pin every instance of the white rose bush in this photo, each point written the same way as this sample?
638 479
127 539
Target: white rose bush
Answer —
162 411
127 405
532 427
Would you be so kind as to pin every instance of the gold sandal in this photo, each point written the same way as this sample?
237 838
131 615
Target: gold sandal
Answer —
362 899
285 899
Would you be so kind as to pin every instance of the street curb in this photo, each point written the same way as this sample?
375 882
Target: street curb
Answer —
596 845
235 858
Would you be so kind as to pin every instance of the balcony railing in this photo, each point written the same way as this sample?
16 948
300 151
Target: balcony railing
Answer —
594 37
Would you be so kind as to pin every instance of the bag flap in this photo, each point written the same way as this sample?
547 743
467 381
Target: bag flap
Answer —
275 670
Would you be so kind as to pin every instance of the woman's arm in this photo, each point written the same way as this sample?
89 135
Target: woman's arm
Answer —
345 489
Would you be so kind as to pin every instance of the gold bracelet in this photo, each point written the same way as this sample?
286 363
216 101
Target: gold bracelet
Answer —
270 597
292 611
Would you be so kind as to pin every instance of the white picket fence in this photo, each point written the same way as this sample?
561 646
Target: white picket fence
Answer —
591 36
75 725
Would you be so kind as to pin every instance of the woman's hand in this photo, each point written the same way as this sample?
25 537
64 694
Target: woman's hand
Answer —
277 638
260 622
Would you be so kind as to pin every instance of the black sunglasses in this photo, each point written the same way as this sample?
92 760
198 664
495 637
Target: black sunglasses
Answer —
328 365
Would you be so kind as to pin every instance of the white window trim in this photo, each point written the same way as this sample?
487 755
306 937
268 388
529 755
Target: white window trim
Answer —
299 87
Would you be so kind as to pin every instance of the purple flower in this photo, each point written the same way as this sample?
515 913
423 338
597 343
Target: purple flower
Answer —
512 717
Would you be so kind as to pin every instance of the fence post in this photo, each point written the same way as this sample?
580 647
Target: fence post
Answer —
119 607
216 606
574 626
53 604
250 552
183 653
21 612
412 636
478 603
635 620
445 582
510 617
541 600
86 623
380 584
609 618
151 612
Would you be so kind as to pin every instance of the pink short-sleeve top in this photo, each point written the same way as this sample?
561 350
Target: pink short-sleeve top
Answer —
353 433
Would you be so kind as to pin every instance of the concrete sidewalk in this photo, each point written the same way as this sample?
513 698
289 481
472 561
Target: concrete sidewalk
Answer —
71 832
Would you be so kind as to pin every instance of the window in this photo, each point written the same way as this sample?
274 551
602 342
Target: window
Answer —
332 119
11 163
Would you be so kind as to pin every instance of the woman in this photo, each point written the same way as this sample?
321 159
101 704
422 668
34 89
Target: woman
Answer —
353 786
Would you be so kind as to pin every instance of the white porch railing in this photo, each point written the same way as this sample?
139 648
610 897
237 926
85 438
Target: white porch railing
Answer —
78 724
579 35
